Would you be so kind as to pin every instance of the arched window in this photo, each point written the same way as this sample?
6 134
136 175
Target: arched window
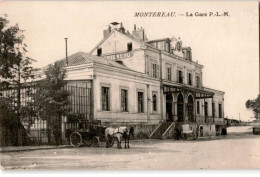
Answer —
154 102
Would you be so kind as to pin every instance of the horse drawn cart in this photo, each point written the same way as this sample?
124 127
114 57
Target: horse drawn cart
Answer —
86 133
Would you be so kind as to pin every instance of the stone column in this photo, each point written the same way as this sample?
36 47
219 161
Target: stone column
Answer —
185 110
175 116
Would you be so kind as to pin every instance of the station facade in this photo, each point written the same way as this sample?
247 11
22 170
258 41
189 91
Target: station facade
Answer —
129 80
143 82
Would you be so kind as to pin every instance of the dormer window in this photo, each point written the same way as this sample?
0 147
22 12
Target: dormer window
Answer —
129 46
167 47
99 51
188 55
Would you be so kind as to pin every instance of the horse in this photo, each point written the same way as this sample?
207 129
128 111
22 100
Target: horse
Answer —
119 133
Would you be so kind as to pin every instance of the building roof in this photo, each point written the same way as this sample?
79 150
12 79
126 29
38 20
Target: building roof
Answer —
158 40
82 58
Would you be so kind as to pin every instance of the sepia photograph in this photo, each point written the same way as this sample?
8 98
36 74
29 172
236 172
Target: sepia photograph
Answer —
129 85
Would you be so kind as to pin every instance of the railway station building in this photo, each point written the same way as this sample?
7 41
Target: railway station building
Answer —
129 80
145 83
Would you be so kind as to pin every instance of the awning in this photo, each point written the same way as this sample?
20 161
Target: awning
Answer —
199 93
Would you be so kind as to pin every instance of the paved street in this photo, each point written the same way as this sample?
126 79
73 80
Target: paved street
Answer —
238 150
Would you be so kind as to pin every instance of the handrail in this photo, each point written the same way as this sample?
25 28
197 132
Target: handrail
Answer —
159 125
166 131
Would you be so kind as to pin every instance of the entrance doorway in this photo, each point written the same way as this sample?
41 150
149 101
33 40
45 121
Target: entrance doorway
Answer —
169 101
180 104
190 108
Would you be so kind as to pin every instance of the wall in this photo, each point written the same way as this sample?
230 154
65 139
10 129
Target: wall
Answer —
117 80
116 43
183 65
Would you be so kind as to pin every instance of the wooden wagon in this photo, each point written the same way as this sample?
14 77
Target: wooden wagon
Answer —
86 133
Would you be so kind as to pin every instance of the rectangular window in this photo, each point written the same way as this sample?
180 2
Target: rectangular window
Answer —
169 73
197 81
124 100
180 78
198 107
105 98
154 102
213 109
155 69
190 79
167 47
188 55
99 51
129 46
206 109
140 101
219 110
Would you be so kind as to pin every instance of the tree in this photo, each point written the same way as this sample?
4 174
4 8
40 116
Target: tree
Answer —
10 125
254 105
15 68
52 99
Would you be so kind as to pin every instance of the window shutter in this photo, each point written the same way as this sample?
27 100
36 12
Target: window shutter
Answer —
151 73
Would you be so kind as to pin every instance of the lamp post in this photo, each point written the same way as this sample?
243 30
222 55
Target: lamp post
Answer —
67 62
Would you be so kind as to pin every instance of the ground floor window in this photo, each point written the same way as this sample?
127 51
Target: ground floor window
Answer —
105 98
154 102
124 99
219 110
198 107
206 109
213 109
140 101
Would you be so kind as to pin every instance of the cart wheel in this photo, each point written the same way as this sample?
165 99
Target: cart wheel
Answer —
96 141
75 139
110 142
88 141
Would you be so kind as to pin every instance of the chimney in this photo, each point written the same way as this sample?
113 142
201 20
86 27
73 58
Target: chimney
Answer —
139 34
107 31
121 29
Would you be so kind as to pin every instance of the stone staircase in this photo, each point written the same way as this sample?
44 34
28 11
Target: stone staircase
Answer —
164 130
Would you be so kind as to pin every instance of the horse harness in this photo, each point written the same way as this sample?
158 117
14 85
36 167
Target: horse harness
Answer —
122 133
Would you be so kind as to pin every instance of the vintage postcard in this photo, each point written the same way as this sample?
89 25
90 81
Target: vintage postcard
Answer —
129 85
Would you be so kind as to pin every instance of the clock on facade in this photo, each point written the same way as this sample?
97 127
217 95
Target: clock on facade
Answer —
178 46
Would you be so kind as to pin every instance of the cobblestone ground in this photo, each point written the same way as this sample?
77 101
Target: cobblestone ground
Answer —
238 150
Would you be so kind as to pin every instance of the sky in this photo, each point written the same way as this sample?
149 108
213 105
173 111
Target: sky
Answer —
228 47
